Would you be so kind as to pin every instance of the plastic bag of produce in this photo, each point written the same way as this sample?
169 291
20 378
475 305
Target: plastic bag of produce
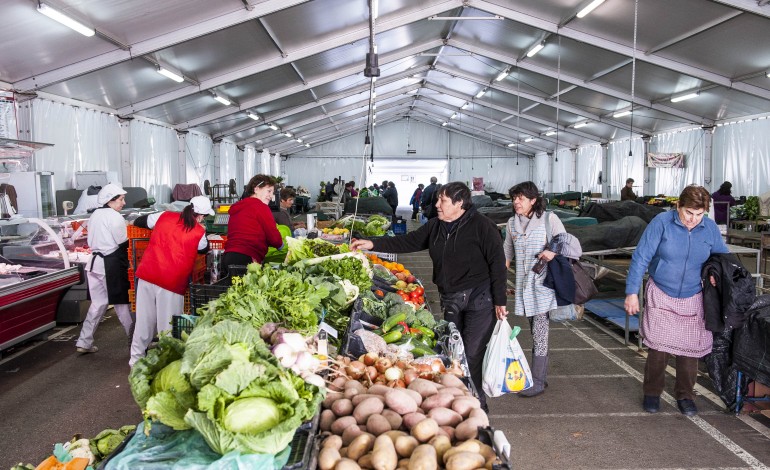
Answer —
505 368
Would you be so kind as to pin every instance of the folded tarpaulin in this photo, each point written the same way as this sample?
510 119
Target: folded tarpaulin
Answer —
751 349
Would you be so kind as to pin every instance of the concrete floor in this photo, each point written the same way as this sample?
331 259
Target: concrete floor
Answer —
590 416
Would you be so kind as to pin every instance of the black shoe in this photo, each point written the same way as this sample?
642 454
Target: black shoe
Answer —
651 404
687 407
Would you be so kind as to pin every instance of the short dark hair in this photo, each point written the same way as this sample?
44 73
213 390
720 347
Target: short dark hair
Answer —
529 190
457 191
257 182
695 197
288 193
433 179
629 180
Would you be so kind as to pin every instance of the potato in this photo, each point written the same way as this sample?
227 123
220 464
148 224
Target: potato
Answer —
363 396
328 458
468 429
454 391
355 384
464 405
448 431
439 400
393 418
451 380
342 407
465 461
424 457
479 414
412 418
351 392
425 430
331 397
441 444
379 389
347 464
344 452
400 402
351 433
340 424
360 446
424 387
333 441
384 455
405 445
487 452
367 408
445 416
468 446
366 462
415 396
377 424
338 384
403 463
327 418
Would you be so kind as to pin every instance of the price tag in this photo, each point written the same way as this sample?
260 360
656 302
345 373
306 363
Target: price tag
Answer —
328 328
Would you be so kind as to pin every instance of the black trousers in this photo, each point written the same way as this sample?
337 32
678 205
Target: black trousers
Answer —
415 212
473 313
232 258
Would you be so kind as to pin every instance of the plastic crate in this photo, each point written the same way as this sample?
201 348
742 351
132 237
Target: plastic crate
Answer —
136 249
182 324
131 278
132 299
199 269
202 294
399 228
383 256
218 244
136 232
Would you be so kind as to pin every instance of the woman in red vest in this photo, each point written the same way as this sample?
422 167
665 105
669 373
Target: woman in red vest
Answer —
251 229
165 269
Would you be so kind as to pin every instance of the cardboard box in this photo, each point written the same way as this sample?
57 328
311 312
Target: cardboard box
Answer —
325 223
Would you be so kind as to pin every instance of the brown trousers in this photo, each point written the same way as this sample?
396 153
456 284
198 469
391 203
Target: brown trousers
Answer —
655 374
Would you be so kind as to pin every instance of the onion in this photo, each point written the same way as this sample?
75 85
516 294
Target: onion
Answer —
371 372
437 366
370 358
380 380
393 373
355 369
339 384
396 384
383 364
401 364
410 375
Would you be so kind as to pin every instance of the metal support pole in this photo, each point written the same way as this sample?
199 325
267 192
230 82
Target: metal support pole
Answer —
181 157
708 156
606 187
126 170
649 183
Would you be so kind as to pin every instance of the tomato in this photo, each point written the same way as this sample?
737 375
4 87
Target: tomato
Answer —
404 296
414 294
420 290
379 293
420 300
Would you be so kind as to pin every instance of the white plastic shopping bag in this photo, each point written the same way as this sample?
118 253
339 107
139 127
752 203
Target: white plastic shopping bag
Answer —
505 367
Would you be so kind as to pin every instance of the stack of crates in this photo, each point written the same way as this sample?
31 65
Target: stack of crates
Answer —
138 239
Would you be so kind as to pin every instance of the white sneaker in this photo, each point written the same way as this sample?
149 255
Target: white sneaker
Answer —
92 349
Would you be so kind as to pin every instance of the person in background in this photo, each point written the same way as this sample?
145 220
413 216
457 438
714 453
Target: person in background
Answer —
251 229
468 269
89 200
107 272
352 186
673 249
627 193
331 189
723 200
426 198
283 216
165 269
347 193
415 200
391 196
375 189
525 242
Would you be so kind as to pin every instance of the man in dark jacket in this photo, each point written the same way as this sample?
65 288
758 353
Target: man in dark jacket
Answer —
468 268
427 196
391 195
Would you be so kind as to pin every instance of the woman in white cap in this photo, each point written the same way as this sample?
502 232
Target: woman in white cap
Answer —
108 270
165 268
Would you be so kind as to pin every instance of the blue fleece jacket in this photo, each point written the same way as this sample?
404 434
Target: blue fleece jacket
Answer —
674 255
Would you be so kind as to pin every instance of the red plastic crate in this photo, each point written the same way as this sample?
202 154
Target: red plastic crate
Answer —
138 232
218 244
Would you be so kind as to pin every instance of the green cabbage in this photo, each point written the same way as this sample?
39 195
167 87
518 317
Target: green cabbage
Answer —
251 415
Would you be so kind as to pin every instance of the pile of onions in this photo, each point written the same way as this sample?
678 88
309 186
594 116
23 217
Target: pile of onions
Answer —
370 368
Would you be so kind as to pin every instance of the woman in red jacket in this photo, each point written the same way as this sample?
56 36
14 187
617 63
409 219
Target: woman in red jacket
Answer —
251 229
164 271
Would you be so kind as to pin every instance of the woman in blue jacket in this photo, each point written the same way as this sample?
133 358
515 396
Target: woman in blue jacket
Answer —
673 249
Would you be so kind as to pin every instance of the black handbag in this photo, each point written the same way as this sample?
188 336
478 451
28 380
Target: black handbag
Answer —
585 289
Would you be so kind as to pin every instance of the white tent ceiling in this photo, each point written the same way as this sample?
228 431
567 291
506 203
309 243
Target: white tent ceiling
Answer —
299 65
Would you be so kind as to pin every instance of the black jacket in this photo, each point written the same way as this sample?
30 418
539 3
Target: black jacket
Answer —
427 196
727 303
560 278
467 257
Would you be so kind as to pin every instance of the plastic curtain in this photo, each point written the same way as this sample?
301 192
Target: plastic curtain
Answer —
541 177
199 149
671 181
623 165
84 140
228 162
309 172
154 153
563 174
499 173
264 163
742 156
275 164
589 164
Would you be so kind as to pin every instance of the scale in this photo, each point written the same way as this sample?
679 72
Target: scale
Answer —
222 217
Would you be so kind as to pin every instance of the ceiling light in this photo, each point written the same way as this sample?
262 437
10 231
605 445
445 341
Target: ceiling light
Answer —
454 115
511 145
374 124
307 145
299 140
272 126
768 74
502 74
56 15
465 106
169 74
622 114
288 134
253 116
580 124
443 124
529 139
550 133
589 8
222 100
536 49
452 18
481 93
687 96
374 79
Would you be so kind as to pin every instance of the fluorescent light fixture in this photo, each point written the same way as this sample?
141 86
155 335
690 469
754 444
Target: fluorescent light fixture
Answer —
481 93
550 133
589 8
56 15
374 124
465 106
444 124
299 140
253 116
288 134
622 114
307 145
502 75
687 96
580 124
454 115
768 74
374 79
452 18
222 100
272 126
169 74
536 49
511 145
529 139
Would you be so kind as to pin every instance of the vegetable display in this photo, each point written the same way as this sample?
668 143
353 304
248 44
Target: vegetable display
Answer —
306 248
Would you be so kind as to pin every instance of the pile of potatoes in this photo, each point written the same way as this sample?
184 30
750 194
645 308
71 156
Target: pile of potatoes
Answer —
426 426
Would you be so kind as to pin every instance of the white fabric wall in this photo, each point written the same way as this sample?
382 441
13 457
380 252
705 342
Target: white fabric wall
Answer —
623 166
308 172
671 181
200 154
264 163
275 165
251 163
84 140
589 164
742 156
540 176
563 177
499 173
228 161
154 152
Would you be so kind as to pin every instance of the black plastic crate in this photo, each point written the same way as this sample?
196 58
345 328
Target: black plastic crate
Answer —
182 324
202 294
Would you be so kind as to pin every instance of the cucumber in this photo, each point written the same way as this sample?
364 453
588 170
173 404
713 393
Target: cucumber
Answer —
392 337
419 352
390 322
